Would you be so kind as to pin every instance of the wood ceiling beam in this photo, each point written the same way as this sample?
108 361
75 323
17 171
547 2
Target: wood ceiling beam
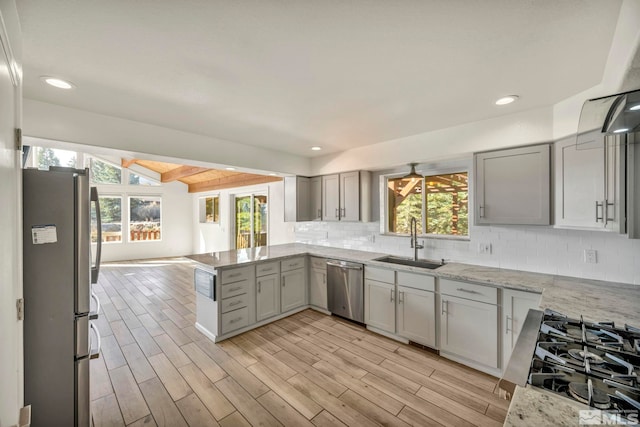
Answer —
239 180
126 163
181 172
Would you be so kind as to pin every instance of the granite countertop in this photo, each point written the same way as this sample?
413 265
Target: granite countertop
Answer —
595 300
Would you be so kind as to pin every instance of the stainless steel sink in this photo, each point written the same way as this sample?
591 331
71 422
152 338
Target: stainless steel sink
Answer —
422 263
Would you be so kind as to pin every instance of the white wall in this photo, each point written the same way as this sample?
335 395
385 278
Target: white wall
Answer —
218 237
11 363
176 218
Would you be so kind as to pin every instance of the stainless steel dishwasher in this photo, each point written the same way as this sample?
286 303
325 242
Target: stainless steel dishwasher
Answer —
345 289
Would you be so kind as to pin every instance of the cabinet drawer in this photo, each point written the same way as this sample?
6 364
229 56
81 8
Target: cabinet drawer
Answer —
265 268
292 264
235 275
469 291
417 281
379 274
235 319
233 289
233 303
319 263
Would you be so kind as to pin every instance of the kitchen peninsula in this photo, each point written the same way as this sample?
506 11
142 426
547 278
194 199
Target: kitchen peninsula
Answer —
571 296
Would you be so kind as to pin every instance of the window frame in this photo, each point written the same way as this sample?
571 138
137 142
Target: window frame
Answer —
202 213
457 167
129 222
123 219
87 162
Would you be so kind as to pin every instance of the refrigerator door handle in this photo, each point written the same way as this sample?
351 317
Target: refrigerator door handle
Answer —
95 270
95 352
93 314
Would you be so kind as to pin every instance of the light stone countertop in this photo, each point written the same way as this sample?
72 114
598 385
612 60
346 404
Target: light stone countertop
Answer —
595 300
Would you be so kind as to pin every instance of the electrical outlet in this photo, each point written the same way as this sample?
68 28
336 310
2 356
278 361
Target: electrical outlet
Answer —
590 256
484 248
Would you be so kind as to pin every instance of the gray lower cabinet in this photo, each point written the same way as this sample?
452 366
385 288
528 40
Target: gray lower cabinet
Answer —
416 315
379 305
267 296
318 283
469 322
293 284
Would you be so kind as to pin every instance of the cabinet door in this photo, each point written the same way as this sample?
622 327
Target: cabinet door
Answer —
469 329
580 183
379 305
350 196
293 289
417 315
331 198
512 186
318 288
267 296
515 306
315 198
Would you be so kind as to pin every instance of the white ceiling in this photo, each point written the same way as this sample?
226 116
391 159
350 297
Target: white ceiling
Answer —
287 75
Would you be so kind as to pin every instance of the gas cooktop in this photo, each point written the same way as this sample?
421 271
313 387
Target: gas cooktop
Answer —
593 363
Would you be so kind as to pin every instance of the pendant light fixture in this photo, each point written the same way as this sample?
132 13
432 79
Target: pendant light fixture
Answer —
413 173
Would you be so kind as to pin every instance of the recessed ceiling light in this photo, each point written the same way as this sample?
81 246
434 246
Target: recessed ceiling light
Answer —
273 174
507 100
59 83
621 130
230 169
635 108
316 148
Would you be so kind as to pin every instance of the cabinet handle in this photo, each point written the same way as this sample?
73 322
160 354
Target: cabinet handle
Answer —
469 291
401 297
337 213
235 289
237 319
606 211
324 278
442 305
391 291
283 281
319 213
235 303
267 269
344 212
481 211
259 287
509 320
599 205
234 275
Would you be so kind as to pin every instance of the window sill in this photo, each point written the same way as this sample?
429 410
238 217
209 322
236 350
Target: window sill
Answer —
432 236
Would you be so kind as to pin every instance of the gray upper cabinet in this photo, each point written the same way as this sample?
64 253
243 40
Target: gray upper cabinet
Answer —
588 181
315 198
512 186
346 196
297 194
331 197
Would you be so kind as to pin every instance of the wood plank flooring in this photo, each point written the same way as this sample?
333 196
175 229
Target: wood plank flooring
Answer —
308 369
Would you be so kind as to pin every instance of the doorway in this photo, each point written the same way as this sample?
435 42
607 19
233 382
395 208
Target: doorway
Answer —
251 220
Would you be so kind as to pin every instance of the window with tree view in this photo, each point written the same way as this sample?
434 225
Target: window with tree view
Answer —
104 173
144 218
111 216
438 202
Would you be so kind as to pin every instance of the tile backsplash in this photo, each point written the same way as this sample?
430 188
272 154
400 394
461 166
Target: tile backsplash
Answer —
538 249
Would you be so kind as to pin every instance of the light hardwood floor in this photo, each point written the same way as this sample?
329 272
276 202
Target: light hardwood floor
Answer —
307 369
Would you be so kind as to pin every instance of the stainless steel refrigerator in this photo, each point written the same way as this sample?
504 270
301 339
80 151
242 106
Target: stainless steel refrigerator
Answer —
60 336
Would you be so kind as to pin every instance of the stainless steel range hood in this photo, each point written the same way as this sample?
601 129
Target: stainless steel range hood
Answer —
613 115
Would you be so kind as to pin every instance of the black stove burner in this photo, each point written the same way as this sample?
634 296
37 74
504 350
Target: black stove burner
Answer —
591 357
580 392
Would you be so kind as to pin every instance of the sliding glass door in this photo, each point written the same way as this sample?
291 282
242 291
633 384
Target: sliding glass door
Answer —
251 221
